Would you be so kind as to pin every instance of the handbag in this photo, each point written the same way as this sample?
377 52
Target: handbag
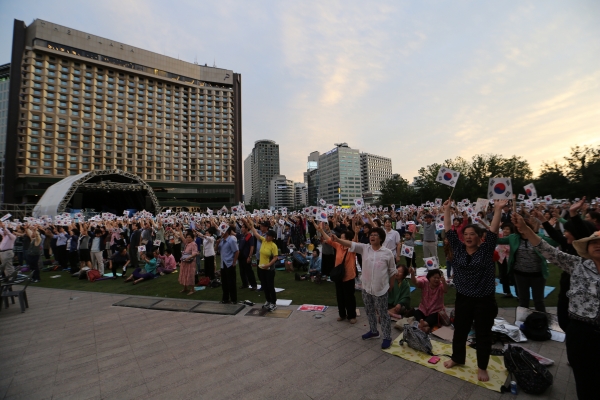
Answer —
337 273
531 376
416 338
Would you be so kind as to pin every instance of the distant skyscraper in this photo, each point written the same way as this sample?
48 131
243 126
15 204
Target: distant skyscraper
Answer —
311 177
248 179
281 192
339 175
374 169
300 194
265 165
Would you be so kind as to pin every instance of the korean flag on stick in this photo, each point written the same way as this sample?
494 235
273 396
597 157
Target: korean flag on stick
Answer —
447 176
521 197
321 216
431 263
530 191
359 203
407 251
500 188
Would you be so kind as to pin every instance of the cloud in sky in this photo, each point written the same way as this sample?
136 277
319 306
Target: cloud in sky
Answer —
415 81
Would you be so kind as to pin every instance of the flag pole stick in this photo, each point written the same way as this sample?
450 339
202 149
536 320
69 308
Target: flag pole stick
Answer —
452 191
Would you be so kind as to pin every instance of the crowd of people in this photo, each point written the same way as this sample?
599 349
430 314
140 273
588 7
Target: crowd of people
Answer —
365 246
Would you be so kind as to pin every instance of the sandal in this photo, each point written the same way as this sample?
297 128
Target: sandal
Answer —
190 293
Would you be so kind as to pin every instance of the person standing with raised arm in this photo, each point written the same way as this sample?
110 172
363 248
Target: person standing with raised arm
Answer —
583 330
474 279
378 270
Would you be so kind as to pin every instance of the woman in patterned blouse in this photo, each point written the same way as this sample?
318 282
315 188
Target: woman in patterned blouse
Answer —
583 331
474 279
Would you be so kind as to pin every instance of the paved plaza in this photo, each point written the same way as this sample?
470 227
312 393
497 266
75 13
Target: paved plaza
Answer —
77 345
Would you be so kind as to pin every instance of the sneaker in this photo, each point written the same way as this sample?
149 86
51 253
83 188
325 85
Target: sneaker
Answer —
370 335
266 305
353 321
272 307
386 343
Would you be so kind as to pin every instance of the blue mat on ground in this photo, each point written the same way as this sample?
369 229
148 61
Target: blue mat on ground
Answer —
547 290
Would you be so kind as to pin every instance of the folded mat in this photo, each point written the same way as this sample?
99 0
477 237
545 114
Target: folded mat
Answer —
547 290
467 372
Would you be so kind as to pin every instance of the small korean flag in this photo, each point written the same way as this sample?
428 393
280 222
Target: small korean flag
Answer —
322 202
548 199
306 210
156 243
530 191
431 263
359 203
321 216
407 251
439 226
141 249
447 176
235 209
521 197
500 188
393 206
438 202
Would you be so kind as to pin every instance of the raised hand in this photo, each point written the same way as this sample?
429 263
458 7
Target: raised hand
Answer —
498 204
519 223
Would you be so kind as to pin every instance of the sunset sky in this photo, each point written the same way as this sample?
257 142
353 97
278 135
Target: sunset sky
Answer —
417 81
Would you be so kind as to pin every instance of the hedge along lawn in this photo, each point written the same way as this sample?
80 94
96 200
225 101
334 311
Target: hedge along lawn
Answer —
302 292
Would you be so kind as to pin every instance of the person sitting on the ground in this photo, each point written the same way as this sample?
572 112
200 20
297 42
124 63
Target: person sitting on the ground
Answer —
399 298
150 269
300 257
167 262
314 268
119 260
433 287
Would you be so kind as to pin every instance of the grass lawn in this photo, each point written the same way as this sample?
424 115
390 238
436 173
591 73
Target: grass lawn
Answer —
299 292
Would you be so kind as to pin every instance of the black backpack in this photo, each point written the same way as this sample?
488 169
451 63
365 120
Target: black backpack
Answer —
531 376
536 327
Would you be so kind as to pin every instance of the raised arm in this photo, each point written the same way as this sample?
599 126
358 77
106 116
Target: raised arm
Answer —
564 261
447 215
495 225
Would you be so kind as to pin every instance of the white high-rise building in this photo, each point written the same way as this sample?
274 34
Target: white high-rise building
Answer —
300 194
374 169
281 192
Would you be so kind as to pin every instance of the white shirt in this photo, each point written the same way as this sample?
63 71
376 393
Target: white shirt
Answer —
208 244
392 238
377 268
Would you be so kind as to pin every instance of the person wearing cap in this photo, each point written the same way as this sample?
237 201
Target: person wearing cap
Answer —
266 264
429 236
583 331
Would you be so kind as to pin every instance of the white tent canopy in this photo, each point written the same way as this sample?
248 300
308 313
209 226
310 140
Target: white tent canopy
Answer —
54 195
55 199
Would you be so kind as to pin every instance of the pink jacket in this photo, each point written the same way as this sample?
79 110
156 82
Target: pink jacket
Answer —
168 262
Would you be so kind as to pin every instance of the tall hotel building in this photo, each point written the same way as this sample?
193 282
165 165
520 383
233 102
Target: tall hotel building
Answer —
79 102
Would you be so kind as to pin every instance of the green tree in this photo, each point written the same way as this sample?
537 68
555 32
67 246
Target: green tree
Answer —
396 190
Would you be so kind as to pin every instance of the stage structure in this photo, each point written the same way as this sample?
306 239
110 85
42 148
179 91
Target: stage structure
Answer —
111 190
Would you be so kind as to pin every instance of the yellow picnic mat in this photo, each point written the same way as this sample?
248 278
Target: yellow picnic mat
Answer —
467 372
